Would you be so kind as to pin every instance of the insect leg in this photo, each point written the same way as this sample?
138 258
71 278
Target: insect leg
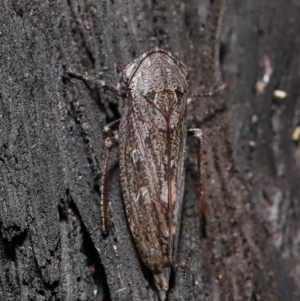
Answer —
108 143
96 81
210 93
197 133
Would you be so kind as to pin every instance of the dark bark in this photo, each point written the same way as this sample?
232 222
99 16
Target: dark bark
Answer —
51 138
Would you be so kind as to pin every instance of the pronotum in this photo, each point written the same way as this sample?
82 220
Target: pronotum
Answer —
152 139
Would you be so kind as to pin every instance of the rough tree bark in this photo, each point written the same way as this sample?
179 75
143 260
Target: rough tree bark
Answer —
51 137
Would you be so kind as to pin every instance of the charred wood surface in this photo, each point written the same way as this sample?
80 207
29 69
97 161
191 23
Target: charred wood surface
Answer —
51 126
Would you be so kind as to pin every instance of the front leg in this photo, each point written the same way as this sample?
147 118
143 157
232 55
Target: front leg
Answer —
197 133
211 93
96 81
108 143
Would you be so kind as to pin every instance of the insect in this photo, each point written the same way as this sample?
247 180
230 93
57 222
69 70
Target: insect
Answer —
152 142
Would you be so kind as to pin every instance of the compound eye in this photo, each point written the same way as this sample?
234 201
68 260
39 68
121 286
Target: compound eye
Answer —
178 95
125 79
129 71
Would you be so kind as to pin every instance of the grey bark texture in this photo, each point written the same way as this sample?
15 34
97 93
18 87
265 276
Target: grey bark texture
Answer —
51 126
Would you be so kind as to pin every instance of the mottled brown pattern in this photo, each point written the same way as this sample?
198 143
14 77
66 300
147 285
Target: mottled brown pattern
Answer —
152 150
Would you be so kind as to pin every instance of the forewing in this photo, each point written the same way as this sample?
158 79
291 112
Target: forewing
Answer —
177 125
151 161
